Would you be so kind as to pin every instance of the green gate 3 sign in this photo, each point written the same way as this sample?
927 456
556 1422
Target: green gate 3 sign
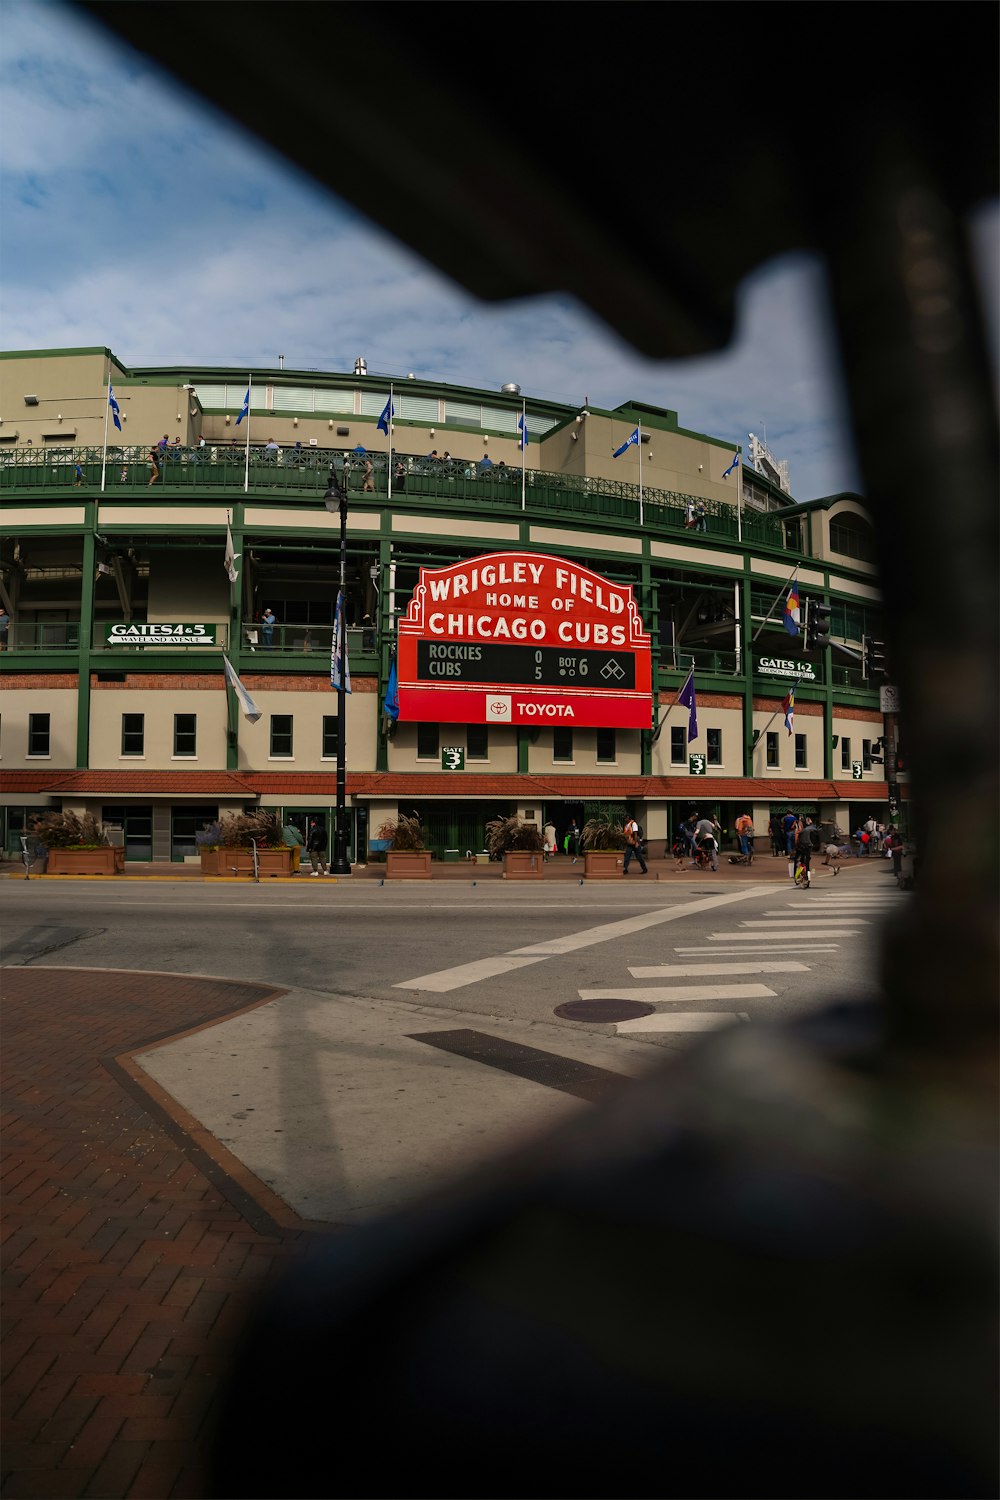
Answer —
696 765
452 758
857 770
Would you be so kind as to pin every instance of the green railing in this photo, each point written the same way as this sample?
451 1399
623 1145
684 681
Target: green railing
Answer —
220 466
43 635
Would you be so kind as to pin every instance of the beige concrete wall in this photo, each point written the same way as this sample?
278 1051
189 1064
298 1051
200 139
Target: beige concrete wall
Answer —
74 385
307 710
159 708
502 745
15 706
811 725
189 587
729 720
628 753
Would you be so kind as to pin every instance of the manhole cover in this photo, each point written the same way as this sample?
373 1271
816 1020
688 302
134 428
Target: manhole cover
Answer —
603 1010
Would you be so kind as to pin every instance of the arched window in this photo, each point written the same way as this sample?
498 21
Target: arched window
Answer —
852 536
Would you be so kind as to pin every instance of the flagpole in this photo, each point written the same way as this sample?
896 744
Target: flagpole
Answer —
639 430
776 602
389 425
524 450
107 408
246 467
739 495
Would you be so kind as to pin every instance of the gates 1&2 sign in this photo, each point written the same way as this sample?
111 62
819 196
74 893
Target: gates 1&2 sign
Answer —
522 638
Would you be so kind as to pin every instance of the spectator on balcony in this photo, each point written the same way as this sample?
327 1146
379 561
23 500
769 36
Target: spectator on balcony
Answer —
78 476
399 477
689 515
175 450
700 517
163 443
154 463
268 621
369 481
271 451
4 627
485 463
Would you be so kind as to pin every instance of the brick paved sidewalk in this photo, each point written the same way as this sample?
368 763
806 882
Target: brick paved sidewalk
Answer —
130 1251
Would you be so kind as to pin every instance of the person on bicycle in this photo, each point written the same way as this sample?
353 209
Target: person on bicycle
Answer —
744 832
805 847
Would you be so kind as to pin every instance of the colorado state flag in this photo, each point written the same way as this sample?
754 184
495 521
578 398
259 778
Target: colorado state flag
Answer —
788 704
792 610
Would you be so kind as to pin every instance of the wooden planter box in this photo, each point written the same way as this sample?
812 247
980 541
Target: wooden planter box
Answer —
603 864
408 864
523 864
105 861
270 862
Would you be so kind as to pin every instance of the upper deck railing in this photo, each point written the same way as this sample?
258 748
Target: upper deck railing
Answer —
221 467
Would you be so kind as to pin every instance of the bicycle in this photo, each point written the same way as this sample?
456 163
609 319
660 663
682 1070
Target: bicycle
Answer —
803 875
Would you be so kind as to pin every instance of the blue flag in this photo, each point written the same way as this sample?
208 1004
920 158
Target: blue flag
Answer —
632 438
732 466
246 407
523 429
687 698
389 411
114 407
390 705
338 650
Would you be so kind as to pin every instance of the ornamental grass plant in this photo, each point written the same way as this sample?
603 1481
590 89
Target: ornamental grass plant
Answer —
69 830
509 835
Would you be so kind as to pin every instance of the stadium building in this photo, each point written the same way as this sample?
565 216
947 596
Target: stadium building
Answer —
528 589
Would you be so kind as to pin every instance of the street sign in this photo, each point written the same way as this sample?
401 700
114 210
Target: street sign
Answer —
452 758
164 635
696 765
888 698
857 769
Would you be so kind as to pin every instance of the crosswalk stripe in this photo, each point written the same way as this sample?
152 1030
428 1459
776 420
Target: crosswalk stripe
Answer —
453 979
778 921
665 993
773 948
695 971
680 1021
763 937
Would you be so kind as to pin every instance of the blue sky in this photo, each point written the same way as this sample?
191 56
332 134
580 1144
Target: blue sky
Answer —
135 217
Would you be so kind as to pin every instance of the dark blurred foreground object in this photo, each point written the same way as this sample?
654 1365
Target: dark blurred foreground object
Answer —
770 1269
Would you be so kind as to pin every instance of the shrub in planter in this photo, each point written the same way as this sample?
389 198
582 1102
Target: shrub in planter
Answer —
406 858
69 830
237 829
602 832
511 835
402 833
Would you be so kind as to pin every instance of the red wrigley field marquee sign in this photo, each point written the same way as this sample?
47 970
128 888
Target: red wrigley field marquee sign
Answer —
520 638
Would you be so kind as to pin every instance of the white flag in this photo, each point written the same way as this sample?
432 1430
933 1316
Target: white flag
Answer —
249 707
231 556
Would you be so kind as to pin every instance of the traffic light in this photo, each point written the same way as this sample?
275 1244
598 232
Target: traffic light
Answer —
873 662
900 757
817 631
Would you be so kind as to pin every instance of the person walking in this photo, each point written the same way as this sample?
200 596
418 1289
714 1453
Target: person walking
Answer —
790 826
292 838
633 846
550 847
316 848
744 832
806 844
369 480
571 841
154 464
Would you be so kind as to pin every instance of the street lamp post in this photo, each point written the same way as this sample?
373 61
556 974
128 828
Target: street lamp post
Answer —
335 499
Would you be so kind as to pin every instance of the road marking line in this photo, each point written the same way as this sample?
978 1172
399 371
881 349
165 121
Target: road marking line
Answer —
627 925
780 921
774 948
680 1021
665 994
453 979
554 948
763 937
694 971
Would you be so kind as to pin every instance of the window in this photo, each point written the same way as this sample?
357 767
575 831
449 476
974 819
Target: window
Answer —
800 752
185 734
772 747
866 755
477 742
281 736
714 741
606 746
845 753
678 745
38 734
562 744
331 736
428 742
133 734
